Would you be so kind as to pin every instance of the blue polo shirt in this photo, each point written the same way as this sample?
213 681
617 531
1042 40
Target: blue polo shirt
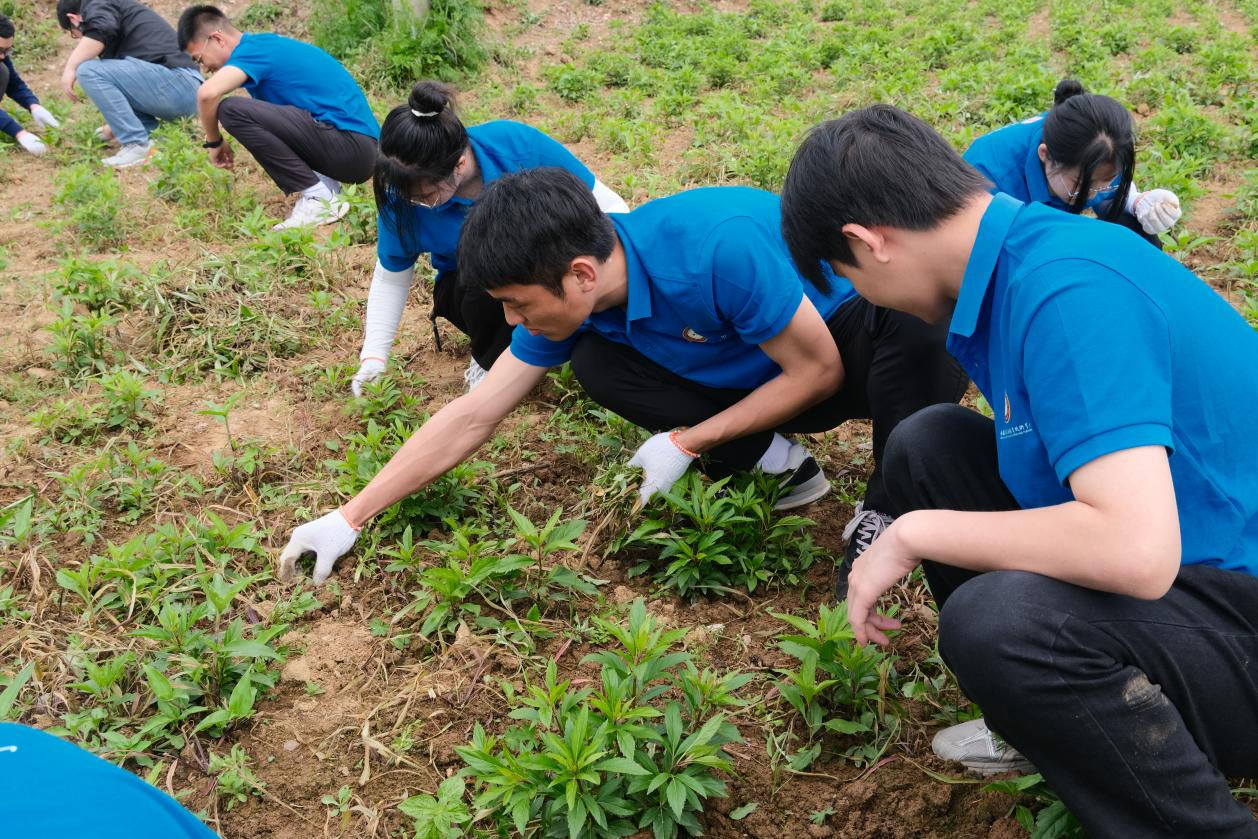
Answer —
287 72
55 789
500 147
1009 157
1086 341
710 279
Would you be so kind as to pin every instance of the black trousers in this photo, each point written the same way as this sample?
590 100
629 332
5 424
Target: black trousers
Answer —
894 365
1130 222
1133 710
291 145
476 314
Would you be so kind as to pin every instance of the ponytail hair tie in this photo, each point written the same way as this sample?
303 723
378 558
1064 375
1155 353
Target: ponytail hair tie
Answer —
424 114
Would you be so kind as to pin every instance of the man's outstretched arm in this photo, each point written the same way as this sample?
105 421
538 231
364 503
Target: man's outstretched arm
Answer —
451 436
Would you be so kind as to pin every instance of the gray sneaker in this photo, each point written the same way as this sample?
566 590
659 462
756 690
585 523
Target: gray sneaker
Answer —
803 482
131 155
979 749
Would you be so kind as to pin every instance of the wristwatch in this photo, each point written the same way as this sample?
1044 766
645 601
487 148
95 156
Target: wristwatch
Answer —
212 144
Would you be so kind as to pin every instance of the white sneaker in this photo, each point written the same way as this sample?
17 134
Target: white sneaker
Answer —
130 155
473 375
333 185
311 212
978 749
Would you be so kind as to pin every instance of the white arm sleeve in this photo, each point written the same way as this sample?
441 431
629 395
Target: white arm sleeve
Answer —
608 200
1133 195
385 301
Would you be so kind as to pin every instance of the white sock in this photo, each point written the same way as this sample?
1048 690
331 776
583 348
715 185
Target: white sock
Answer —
319 192
774 458
333 185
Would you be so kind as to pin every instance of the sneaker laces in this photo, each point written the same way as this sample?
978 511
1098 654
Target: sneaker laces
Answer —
996 745
866 525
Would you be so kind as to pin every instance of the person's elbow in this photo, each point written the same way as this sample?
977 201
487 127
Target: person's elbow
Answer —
1153 565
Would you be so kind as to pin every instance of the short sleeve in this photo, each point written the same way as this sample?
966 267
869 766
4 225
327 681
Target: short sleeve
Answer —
1096 360
100 22
754 283
389 249
248 61
551 152
539 351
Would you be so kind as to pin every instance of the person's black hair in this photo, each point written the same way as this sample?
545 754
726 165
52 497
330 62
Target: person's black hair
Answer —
65 8
6 27
1088 130
420 144
527 228
195 20
877 166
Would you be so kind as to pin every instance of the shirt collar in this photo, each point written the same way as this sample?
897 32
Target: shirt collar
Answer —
638 304
1036 181
992 230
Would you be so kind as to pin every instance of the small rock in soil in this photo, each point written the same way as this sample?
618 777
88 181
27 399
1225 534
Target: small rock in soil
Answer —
297 670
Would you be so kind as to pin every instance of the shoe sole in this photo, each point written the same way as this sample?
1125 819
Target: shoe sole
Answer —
813 489
130 165
984 770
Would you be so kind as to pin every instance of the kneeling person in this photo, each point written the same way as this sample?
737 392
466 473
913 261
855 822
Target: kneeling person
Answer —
306 121
685 316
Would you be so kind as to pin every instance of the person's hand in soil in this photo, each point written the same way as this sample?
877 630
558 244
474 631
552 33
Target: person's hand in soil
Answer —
222 156
67 86
663 461
329 538
875 571
43 117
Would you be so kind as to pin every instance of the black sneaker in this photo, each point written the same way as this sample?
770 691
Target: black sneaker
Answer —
803 482
860 533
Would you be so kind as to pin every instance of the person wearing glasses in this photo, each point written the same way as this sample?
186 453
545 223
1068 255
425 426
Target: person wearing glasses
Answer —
306 121
128 63
686 317
11 85
1077 156
429 173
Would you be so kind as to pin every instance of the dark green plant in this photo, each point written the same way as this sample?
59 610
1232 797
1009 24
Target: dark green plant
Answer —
714 535
593 764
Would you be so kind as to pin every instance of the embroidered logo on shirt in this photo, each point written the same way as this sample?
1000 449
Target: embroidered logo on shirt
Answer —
692 336
1008 412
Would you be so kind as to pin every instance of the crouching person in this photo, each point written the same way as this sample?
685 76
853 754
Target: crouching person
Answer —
685 316
1093 548
306 121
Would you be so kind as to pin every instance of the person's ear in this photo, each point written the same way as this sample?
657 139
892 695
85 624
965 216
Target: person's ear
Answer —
584 270
871 240
1042 151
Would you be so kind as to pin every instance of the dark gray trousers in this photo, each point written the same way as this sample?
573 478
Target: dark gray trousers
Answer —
291 145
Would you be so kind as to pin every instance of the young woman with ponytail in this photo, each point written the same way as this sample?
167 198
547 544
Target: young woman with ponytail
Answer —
429 172
1077 156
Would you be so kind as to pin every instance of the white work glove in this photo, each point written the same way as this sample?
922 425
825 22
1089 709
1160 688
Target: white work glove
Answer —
1157 210
328 538
43 118
369 370
31 143
662 461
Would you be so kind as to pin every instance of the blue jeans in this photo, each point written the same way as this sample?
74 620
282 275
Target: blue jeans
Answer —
132 95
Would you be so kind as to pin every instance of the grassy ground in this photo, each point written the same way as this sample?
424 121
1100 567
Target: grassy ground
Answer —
174 398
